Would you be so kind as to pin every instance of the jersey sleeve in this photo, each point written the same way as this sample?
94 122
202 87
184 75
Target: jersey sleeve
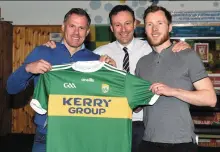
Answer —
39 100
138 93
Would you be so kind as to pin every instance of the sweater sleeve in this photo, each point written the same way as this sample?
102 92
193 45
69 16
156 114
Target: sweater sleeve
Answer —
20 79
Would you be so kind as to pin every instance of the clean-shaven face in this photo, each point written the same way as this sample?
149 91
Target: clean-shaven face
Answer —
75 30
123 26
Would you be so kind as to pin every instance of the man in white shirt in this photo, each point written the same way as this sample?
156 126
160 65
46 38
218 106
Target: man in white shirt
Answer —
123 24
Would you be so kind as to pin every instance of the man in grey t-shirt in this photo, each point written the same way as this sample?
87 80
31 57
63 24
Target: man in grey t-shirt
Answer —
180 78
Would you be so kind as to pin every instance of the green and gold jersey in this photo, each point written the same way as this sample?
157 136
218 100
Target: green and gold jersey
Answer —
89 106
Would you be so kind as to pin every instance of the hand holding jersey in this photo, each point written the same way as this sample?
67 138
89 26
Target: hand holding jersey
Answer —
107 59
87 97
162 89
42 66
38 67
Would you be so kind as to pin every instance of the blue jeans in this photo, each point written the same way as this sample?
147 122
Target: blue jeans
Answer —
39 143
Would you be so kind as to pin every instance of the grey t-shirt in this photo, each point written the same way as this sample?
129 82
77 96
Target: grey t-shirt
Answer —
169 119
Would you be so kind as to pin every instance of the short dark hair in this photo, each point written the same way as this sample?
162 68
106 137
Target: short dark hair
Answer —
155 8
78 11
119 8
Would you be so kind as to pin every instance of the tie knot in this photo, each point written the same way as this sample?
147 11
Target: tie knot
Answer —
125 49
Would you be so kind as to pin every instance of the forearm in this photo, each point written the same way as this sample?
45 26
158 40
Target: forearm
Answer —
198 98
18 80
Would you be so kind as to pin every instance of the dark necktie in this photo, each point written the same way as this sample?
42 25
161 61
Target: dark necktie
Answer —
126 60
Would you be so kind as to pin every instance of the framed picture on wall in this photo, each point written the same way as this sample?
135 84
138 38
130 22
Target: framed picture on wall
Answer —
57 37
203 51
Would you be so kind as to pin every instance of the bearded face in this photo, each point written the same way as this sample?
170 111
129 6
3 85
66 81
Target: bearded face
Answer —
157 38
157 28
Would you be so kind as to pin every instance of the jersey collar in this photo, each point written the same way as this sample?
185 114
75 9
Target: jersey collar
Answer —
87 66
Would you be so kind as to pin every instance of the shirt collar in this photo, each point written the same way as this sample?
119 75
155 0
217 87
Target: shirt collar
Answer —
165 51
129 46
82 46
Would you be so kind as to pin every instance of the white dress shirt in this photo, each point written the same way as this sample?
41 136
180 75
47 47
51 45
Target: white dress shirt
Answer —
136 49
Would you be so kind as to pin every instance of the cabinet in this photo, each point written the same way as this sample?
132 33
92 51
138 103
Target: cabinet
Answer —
207 124
205 40
5 70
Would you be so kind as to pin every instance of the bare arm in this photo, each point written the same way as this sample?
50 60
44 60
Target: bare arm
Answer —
203 96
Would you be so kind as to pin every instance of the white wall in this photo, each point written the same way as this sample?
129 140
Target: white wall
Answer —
52 12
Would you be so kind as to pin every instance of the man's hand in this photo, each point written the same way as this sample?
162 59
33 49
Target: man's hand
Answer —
38 67
181 45
50 44
107 59
162 89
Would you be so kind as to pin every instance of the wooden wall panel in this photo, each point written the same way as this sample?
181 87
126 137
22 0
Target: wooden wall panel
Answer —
25 39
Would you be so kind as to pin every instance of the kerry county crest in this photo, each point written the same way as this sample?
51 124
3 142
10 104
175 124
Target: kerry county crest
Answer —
105 88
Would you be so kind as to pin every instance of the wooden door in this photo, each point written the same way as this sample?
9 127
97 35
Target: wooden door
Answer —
5 70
